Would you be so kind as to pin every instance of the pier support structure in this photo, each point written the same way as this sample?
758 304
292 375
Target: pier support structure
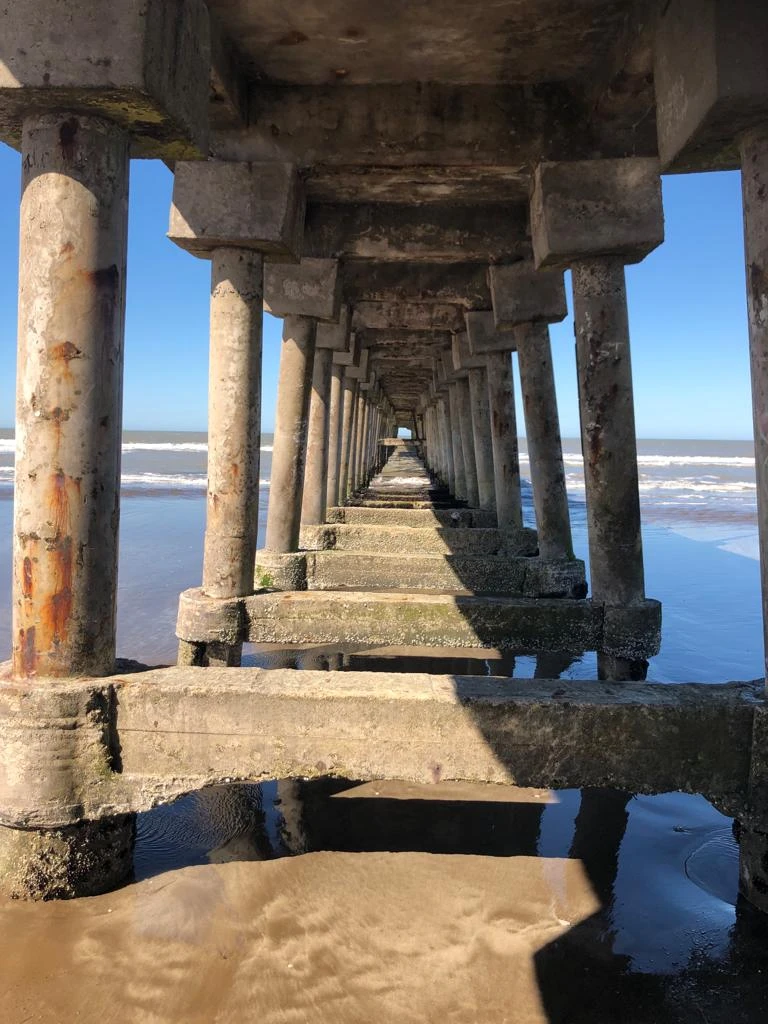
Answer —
712 97
202 222
625 225
75 141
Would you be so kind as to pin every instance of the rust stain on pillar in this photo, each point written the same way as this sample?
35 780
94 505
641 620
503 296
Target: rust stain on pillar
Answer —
69 395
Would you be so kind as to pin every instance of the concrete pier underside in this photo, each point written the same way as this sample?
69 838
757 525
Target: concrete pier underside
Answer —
383 192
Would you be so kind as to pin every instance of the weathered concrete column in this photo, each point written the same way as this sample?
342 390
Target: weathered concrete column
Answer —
481 431
335 417
76 121
234 422
467 442
349 407
608 430
754 182
460 487
74 211
545 449
506 459
318 455
297 356
202 222
445 420
359 433
753 841
625 224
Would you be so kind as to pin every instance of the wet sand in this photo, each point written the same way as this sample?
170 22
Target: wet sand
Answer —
558 916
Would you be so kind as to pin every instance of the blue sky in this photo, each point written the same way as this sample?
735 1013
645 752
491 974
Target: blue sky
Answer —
687 311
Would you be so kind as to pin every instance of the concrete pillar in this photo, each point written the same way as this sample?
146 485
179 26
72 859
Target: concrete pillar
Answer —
467 442
445 420
74 210
481 430
753 842
349 406
297 357
234 436
234 422
506 461
460 487
608 441
545 450
359 433
316 469
335 416
754 182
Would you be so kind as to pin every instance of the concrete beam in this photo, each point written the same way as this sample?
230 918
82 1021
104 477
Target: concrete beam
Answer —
462 356
438 233
412 540
711 81
432 620
483 336
458 518
460 284
311 289
594 208
408 316
143 64
522 294
449 573
470 143
335 336
180 729
350 356
229 205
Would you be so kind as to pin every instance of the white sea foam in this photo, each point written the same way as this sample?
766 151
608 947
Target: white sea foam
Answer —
8 446
144 481
661 461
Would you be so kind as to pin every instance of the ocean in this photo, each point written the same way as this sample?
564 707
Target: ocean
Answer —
416 904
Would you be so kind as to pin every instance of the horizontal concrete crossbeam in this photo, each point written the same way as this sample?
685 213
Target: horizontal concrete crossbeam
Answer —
411 540
474 574
430 620
93 748
457 518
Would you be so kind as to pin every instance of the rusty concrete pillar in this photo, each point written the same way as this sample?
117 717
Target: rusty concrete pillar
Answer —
318 455
467 442
608 440
297 357
335 417
545 450
74 210
454 405
481 431
506 461
349 405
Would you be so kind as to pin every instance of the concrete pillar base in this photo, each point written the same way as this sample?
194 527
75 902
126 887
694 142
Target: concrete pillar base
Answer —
60 864
753 865
610 667
281 570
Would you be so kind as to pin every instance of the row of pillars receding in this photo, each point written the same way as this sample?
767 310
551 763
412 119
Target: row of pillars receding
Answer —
71 320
